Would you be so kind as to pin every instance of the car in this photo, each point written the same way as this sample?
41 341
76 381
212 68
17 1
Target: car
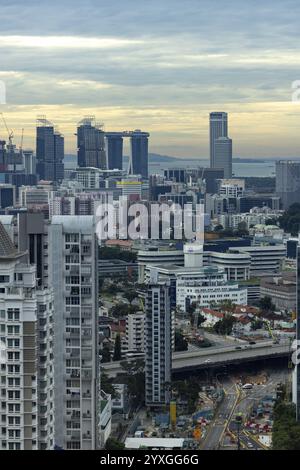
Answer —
207 361
250 445
252 342
238 347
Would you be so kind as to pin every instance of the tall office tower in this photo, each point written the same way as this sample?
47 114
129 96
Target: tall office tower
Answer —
223 155
49 151
288 182
73 274
29 162
218 127
26 369
91 144
158 348
138 161
7 195
3 164
114 146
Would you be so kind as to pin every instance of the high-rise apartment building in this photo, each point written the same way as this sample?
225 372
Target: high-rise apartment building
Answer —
288 182
26 366
49 151
158 347
73 274
220 144
91 144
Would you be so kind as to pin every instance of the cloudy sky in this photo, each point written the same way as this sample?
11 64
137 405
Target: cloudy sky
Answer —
160 66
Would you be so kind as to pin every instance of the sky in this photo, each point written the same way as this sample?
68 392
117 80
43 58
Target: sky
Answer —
160 66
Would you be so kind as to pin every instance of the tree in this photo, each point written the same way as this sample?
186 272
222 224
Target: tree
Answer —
286 430
107 385
181 343
130 295
242 229
224 326
135 379
114 444
290 220
105 353
219 228
201 319
266 304
122 310
117 351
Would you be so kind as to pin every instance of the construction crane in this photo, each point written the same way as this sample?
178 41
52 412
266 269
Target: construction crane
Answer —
9 132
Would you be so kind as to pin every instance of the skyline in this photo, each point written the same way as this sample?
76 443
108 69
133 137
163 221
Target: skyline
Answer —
156 68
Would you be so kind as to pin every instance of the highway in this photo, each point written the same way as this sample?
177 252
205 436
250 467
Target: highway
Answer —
218 427
213 357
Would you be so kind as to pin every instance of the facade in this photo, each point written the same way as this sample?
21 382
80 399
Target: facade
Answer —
282 291
26 373
264 259
49 152
223 155
91 144
218 127
156 257
158 354
114 145
29 162
135 330
288 182
138 161
73 274
296 374
206 286
7 195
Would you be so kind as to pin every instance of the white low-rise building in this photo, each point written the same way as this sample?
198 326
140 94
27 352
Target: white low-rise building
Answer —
205 286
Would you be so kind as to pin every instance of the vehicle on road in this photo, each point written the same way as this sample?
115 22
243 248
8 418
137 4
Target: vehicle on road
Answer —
238 347
247 386
207 361
250 445
252 342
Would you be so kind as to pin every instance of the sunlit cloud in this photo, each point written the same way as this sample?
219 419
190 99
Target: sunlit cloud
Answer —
65 42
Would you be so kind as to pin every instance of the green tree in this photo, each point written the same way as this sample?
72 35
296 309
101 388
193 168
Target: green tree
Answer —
224 326
266 304
130 295
201 319
117 351
114 444
135 379
105 353
107 385
286 430
181 343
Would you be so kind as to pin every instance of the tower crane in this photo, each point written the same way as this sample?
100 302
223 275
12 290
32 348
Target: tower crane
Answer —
9 132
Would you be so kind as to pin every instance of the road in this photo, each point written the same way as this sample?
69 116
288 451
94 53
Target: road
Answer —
217 428
211 357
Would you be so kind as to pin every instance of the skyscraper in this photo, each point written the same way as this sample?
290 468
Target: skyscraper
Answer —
220 150
49 151
73 273
91 144
114 145
138 161
26 365
296 373
288 182
158 350
223 155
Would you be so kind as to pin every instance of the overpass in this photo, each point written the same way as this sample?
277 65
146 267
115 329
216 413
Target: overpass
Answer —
215 357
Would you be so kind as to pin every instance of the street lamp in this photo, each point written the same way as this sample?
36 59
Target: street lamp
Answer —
238 421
